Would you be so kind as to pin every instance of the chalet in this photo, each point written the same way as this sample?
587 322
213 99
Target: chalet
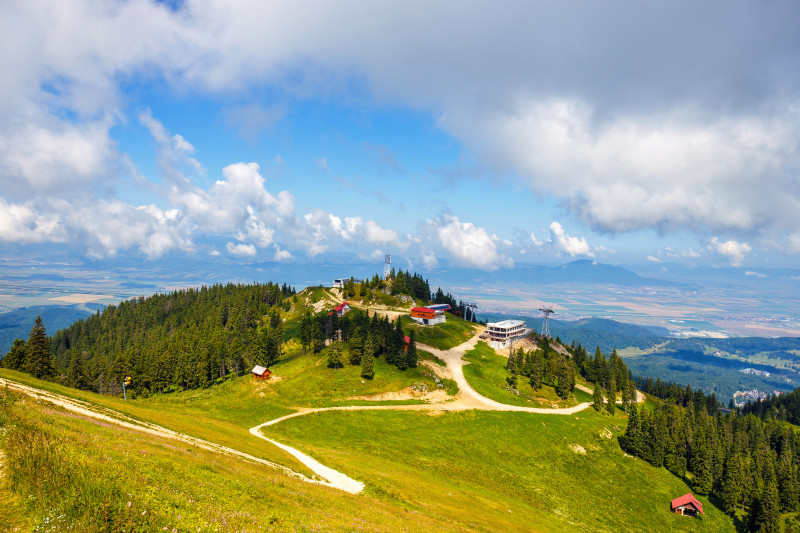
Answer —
430 315
686 505
260 372
506 331
341 309
338 283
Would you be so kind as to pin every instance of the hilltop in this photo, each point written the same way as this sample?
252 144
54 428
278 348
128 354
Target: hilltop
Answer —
477 455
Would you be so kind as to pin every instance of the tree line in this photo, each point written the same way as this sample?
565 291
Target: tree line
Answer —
785 407
542 366
179 340
357 339
611 378
748 462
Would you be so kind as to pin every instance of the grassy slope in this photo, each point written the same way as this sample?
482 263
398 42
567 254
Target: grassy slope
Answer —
500 471
442 336
170 485
486 373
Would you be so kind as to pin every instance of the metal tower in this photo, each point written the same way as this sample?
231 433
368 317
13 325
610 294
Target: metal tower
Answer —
546 323
387 265
469 310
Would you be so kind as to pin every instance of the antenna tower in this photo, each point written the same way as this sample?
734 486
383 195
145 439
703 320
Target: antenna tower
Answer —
546 323
387 265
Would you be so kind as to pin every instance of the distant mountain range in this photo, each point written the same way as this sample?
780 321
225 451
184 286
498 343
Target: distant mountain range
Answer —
18 323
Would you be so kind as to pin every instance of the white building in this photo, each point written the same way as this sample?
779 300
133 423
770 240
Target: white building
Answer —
506 331
339 283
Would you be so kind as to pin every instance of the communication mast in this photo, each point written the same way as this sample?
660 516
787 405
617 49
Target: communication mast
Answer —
387 265
546 323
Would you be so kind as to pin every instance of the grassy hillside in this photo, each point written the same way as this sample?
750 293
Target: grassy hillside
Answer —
94 477
442 336
486 373
500 471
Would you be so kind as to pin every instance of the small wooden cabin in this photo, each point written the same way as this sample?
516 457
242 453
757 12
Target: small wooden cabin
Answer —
260 372
686 505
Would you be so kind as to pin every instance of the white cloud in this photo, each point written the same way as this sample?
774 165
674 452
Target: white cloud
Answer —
652 133
468 244
375 234
653 259
734 251
282 255
429 260
756 274
23 223
241 250
567 244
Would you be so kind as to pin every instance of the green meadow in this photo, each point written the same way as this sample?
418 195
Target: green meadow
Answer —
486 373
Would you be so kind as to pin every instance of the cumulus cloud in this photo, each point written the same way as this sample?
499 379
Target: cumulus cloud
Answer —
467 244
241 250
629 127
734 251
567 244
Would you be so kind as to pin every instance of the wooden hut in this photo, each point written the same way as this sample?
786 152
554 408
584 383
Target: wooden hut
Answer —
260 372
686 505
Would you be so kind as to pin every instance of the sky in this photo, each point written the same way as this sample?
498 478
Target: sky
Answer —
476 134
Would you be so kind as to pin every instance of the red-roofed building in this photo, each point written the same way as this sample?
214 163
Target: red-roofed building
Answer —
341 309
429 316
686 505
260 372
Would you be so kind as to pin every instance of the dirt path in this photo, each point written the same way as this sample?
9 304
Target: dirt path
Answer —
108 415
466 399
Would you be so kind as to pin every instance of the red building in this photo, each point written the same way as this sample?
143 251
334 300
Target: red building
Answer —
686 505
341 309
259 372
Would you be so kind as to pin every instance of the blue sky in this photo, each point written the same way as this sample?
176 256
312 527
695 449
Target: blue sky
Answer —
455 133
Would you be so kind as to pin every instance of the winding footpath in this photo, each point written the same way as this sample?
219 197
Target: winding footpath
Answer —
466 399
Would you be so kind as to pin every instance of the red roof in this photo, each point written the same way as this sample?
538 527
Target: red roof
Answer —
341 306
422 310
687 499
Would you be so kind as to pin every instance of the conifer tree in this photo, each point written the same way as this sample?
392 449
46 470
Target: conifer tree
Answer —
355 346
411 354
15 358
611 405
598 397
732 483
37 352
335 354
367 365
76 376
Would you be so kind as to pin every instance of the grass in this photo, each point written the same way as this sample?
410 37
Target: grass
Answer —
78 474
486 373
453 332
499 471
308 382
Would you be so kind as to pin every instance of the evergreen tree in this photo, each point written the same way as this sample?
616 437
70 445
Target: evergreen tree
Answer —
411 354
767 518
611 406
732 487
15 359
76 376
367 365
355 346
37 351
598 397
335 354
